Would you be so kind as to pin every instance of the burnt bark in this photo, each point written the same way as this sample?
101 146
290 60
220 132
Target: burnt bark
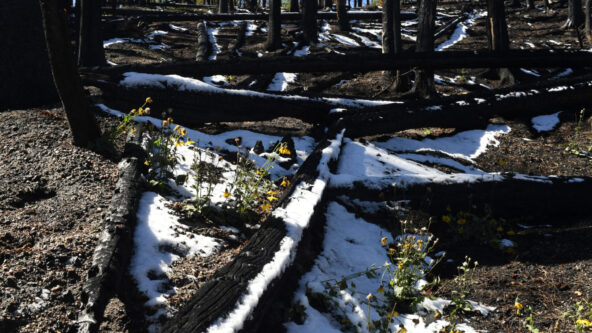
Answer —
90 42
423 86
24 69
387 27
294 6
530 4
575 16
203 43
497 37
309 21
223 6
588 27
274 26
83 124
342 19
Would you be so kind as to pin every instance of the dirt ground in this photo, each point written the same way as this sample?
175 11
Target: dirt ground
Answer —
54 196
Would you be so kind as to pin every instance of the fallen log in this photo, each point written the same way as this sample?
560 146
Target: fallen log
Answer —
449 26
113 251
199 107
162 15
468 111
203 43
360 63
278 254
172 5
513 196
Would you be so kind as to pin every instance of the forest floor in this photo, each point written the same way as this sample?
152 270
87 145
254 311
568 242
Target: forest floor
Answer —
54 196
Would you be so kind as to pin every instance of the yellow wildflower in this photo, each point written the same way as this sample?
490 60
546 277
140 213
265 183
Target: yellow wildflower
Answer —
392 314
183 131
259 172
284 151
237 140
165 123
266 206
511 233
132 131
392 251
384 241
403 330
146 163
400 266
271 198
148 100
461 221
437 314
147 111
177 128
518 307
179 143
285 183
189 142
584 322
134 111
170 120
226 194
499 229
380 290
446 218
272 192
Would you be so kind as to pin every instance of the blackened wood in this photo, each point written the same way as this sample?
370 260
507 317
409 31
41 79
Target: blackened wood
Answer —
342 17
450 25
469 111
219 296
155 15
424 86
497 36
223 6
24 68
197 108
294 6
588 26
575 16
509 197
360 63
114 248
203 42
83 124
387 27
274 26
90 41
309 21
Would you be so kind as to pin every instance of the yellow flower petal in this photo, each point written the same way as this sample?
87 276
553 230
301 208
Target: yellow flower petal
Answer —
148 100
384 241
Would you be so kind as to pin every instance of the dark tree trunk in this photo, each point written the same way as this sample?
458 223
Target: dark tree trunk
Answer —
387 27
274 26
530 4
342 19
359 3
423 86
263 3
328 4
575 16
588 25
294 7
402 83
309 21
546 4
497 36
90 42
83 124
24 70
223 6
231 6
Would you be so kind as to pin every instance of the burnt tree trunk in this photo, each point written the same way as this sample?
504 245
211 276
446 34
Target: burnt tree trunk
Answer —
231 6
575 16
274 26
423 86
294 6
223 6
309 21
342 19
90 42
515 4
401 83
387 27
328 4
26 77
83 124
497 36
588 25
530 4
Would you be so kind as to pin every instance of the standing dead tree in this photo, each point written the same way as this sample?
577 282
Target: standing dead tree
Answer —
274 26
342 20
69 86
575 16
22 37
588 28
423 86
309 21
391 38
497 36
90 42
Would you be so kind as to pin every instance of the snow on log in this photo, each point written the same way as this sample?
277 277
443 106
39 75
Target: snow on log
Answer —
242 295
114 247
